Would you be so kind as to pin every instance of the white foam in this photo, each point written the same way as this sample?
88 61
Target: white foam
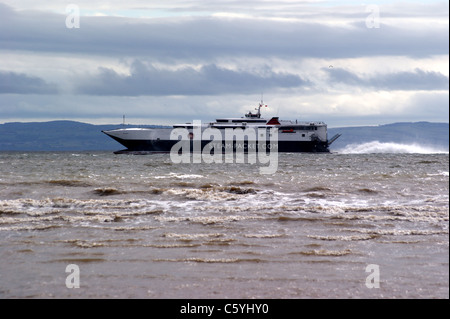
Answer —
380 147
180 176
441 173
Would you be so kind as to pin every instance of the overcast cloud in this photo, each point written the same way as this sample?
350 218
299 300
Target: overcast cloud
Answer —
406 80
161 61
208 80
16 83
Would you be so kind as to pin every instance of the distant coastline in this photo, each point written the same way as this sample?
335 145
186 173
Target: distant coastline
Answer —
78 136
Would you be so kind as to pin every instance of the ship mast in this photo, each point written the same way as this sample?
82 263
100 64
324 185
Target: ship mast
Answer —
258 114
260 105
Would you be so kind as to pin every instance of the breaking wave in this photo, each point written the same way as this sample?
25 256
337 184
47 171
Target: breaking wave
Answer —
390 147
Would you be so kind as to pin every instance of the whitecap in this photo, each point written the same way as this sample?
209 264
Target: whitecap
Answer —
390 147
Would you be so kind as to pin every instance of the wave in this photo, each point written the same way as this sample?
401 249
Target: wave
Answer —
211 260
324 252
390 147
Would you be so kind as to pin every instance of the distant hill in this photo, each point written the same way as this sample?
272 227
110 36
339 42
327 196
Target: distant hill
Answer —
57 136
434 135
77 136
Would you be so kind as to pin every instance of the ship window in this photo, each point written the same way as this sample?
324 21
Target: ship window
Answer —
248 120
222 121
303 135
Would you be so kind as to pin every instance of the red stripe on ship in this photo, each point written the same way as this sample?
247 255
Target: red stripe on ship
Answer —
273 121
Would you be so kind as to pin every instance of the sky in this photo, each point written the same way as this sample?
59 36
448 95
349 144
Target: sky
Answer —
346 63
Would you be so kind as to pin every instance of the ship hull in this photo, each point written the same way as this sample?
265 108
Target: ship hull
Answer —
165 146
246 134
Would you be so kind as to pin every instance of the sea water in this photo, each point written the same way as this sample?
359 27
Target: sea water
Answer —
99 225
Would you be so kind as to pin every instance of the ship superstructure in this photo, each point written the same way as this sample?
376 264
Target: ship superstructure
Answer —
292 135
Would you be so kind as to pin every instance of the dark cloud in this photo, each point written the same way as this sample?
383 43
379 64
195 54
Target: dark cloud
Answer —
18 83
146 79
416 80
212 37
232 51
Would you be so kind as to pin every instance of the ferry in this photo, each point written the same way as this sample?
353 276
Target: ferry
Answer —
292 135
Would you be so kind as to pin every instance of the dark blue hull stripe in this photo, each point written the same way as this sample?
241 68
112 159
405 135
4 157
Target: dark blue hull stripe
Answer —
165 146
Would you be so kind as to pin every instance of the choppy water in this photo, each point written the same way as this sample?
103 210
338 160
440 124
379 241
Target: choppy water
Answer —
144 227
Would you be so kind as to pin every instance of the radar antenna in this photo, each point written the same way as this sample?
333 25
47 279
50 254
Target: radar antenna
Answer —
258 109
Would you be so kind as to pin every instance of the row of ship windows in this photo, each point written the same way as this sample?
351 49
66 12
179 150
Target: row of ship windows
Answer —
241 121
283 129
301 128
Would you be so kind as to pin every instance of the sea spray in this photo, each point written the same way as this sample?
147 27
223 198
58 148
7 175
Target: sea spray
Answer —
389 147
